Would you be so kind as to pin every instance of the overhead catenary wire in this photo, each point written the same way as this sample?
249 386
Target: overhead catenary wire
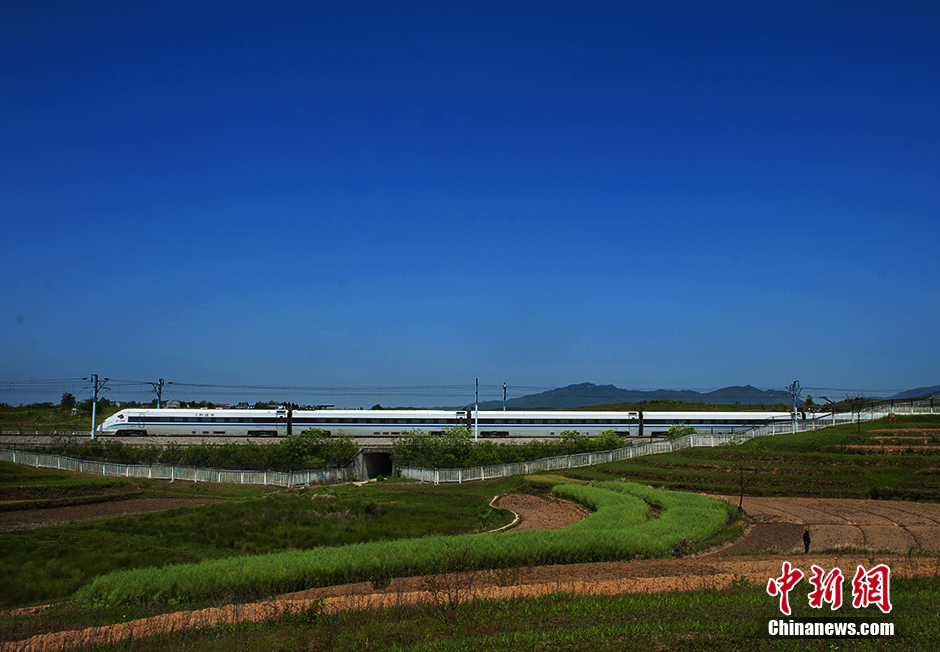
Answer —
143 390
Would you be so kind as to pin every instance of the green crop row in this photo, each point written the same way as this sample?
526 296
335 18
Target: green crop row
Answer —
622 527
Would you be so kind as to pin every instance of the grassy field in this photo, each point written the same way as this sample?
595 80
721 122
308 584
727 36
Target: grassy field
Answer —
883 461
48 418
622 526
51 563
836 462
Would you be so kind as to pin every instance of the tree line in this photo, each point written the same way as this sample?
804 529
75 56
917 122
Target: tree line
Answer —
455 448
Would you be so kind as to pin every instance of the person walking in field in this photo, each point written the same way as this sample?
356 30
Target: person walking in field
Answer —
806 540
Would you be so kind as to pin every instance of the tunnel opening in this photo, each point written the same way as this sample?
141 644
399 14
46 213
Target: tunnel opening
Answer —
377 464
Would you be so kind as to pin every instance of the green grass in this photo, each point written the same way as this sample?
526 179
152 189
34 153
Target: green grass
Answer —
49 418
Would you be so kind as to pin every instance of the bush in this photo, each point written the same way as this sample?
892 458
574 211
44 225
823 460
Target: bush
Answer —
456 449
311 449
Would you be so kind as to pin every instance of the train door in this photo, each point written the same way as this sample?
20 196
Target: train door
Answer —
281 422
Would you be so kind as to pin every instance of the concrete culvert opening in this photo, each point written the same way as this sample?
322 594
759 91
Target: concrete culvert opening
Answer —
377 464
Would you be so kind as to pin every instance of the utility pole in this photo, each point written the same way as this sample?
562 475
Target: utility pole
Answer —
158 388
504 397
833 408
795 392
476 409
94 402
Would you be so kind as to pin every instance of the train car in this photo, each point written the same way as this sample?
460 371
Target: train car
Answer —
515 424
488 423
201 421
657 424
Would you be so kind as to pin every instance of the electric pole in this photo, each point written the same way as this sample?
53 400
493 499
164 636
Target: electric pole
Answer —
99 386
795 392
158 388
504 397
476 408
832 407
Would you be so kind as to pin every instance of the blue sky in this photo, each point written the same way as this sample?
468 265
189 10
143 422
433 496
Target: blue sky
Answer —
689 195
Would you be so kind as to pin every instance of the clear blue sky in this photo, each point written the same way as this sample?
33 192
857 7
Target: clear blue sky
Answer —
684 195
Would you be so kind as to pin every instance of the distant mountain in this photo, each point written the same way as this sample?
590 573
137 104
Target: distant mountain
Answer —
919 392
585 394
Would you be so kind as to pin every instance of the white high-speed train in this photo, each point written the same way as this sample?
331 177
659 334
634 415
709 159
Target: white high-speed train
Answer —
391 423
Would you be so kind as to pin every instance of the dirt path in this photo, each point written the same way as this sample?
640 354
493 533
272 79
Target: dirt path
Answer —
893 531
534 513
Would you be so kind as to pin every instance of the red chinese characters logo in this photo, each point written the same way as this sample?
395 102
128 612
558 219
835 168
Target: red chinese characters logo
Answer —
871 587
826 589
784 584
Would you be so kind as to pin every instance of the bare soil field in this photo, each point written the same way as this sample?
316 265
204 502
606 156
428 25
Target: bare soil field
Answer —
900 440
905 536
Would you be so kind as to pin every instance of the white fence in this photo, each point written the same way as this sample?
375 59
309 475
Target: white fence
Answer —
191 474
817 421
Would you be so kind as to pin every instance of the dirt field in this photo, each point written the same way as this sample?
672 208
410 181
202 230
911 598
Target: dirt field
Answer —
895 533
